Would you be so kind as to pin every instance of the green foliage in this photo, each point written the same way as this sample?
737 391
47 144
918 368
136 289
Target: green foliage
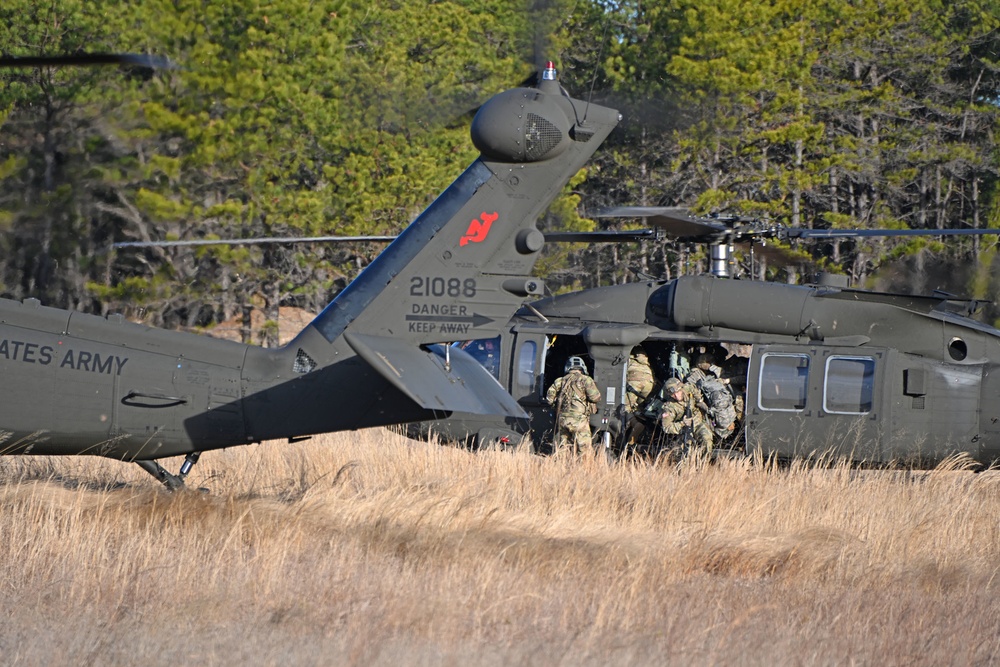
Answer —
341 117
857 114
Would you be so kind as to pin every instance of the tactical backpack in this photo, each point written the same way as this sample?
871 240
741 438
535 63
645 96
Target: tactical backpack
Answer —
572 388
719 399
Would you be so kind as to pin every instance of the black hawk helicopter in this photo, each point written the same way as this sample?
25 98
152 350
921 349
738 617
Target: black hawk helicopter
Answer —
823 370
82 384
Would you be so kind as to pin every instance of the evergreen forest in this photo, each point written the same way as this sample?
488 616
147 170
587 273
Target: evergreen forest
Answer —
342 117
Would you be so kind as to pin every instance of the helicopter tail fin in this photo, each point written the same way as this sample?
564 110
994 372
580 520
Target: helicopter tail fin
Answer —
461 268
457 272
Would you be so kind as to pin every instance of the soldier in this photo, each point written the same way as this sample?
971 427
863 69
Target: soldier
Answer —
681 413
639 384
718 402
639 380
703 368
575 397
487 352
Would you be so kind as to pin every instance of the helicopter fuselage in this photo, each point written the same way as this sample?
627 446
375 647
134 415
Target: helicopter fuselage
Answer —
110 387
868 376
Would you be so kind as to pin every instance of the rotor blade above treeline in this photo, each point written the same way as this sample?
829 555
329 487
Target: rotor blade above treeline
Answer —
89 60
675 221
550 237
678 224
260 241
608 236
798 233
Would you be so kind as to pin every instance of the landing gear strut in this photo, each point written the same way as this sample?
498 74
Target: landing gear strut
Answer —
171 481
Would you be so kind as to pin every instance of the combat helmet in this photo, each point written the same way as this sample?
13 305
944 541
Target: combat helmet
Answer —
575 363
672 385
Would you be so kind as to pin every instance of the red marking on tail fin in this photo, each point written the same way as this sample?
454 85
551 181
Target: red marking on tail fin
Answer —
478 229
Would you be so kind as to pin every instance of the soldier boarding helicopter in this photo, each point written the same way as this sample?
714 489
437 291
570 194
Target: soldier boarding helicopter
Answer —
824 370
82 384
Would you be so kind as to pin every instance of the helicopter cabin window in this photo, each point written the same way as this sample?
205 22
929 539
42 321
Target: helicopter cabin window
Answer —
486 351
850 385
784 382
526 366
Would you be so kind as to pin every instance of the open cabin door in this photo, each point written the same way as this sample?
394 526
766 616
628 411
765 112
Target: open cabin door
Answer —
527 361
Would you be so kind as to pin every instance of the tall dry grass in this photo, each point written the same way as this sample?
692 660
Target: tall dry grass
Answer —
366 548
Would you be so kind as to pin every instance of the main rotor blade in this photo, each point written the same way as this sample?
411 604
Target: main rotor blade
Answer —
550 237
775 254
88 60
601 237
676 222
798 233
679 226
260 241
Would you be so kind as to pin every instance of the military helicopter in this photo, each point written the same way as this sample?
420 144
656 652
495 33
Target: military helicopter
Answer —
82 384
825 370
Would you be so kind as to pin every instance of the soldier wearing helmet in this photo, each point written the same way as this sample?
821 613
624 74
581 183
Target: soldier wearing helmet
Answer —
682 419
575 397
703 368
722 406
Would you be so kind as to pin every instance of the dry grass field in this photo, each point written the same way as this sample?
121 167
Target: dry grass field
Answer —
368 549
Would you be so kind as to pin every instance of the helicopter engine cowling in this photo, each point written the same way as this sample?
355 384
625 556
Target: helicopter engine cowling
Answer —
706 301
522 125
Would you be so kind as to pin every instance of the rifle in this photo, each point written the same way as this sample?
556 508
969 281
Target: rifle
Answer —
688 431
678 365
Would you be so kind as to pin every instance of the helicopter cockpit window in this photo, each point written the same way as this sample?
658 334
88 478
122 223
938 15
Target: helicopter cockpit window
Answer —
850 385
784 382
486 351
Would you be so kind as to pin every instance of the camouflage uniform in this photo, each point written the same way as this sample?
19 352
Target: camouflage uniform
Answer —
696 375
574 395
639 381
675 414
705 370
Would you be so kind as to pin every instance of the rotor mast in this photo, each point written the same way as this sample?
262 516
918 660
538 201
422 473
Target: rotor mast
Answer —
722 259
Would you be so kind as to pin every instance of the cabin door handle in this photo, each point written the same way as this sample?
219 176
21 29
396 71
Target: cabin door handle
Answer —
142 400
